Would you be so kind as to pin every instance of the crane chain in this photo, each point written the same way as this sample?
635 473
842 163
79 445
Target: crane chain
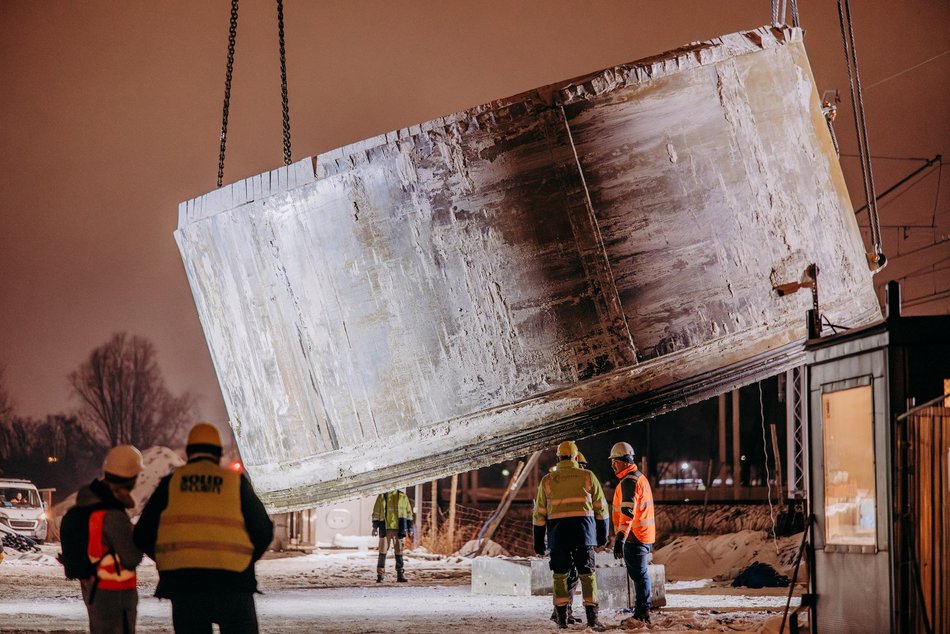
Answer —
283 82
232 38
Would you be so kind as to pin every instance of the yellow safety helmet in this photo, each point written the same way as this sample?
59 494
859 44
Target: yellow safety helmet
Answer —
567 448
580 458
122 465
620 449
204 434
204 439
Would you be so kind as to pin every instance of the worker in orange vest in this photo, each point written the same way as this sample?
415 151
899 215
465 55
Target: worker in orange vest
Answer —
634 524
110 595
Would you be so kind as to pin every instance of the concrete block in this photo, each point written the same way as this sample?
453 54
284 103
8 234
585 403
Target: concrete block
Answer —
614 592
524 576
516 576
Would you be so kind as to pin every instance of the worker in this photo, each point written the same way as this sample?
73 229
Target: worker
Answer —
205 527
109 593
392 521
571 509
572 578
634 524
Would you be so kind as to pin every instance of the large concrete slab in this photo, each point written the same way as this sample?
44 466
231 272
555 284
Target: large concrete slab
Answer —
536 268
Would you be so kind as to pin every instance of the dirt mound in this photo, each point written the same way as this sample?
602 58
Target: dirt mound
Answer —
722 557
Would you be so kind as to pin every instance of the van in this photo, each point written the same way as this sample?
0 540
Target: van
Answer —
22 508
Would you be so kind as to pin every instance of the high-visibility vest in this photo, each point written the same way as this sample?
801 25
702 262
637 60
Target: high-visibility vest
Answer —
569 491
111 576
202 526
643 523
391 507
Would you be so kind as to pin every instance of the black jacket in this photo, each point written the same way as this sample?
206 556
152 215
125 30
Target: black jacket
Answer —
188 581
116 527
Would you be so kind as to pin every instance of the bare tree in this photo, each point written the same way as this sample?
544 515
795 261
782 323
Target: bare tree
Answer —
6 403
123 396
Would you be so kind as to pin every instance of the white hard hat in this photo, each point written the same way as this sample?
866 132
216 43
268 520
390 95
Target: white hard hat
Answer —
621 449
122 465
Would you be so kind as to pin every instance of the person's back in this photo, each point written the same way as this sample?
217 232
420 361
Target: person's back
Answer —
571 509
205 527
110 592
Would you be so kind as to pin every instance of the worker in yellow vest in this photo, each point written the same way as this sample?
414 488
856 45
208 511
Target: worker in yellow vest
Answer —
392 521
571 509
572 578
634 524
205 527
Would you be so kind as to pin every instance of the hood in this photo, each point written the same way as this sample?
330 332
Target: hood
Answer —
97 492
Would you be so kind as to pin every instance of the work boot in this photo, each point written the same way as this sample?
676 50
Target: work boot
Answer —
561 612
642 616
401 577
379 577
570 616
592 621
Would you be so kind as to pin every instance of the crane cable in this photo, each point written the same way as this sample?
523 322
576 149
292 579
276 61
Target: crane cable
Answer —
778 18
285 109
876 258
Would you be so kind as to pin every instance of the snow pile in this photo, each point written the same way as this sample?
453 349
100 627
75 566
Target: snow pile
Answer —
159 462
722 557
362 542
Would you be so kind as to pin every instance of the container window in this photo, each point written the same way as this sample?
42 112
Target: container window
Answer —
847 418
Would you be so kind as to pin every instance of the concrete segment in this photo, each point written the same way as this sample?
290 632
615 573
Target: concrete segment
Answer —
533 269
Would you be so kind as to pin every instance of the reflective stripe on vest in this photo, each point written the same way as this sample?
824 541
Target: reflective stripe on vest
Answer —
202 526
569 491
110 578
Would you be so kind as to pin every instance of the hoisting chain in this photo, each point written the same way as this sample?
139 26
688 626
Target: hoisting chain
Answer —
860 124
232 37
283 81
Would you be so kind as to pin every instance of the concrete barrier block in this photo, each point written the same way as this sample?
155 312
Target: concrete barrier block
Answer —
614 592
526 576
516 576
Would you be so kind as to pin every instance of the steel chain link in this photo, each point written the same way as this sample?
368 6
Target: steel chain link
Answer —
232 38
283 82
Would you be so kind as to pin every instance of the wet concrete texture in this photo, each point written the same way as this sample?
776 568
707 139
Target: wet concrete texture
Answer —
537 268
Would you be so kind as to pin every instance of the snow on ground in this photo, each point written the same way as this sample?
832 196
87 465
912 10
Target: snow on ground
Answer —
335 592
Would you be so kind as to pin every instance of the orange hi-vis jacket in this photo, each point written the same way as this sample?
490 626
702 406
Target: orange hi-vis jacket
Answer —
632 508
111 576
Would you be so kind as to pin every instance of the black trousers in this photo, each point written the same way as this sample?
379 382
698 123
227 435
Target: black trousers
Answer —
233 612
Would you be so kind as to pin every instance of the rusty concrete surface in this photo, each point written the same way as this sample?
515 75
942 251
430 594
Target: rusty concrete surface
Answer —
540 267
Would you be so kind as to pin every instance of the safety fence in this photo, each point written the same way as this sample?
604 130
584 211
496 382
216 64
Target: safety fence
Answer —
514 534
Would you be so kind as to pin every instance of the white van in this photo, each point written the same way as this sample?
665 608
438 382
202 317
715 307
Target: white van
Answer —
22 508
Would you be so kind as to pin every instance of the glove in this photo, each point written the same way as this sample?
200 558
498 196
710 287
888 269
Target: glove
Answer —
375 531
601 533
618 547
539 541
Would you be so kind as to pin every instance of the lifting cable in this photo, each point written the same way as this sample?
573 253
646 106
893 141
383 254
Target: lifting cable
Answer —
285 110
876 258
779 17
